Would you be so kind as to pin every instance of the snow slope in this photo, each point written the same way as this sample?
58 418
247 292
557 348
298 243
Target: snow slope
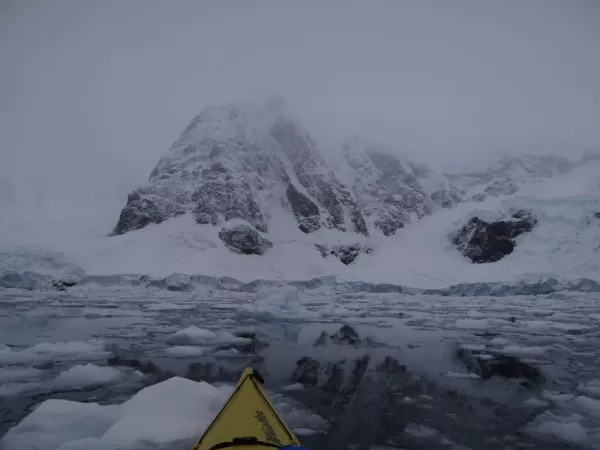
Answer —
564 244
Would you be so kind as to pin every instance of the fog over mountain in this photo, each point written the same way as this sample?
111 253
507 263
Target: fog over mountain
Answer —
93 93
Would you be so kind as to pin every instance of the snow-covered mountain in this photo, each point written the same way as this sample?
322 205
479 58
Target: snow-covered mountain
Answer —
252 161
246 193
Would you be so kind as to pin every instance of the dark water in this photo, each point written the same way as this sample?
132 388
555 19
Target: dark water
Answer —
384 387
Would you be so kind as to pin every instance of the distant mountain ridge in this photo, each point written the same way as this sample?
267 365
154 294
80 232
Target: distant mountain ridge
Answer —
255 163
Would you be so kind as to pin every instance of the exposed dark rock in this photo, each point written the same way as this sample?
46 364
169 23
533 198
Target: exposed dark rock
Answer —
254 346
484 242
391 189
497 189
63 285
142 211
306 372
245 240
346 253
227 199
500 365
305 210
346 335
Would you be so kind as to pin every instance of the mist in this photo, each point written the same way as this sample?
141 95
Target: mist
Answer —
94 93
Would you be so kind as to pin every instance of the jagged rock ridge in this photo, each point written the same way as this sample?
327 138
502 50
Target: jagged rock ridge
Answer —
244 161
391 189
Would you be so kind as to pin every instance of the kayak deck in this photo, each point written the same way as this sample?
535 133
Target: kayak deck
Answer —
248 419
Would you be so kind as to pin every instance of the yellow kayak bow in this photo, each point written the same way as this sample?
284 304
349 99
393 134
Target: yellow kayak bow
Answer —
248 420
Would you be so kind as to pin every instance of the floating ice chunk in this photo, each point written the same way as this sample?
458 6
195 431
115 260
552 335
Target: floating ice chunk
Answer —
558 397
53 351
481 324
185 410
185 351
13 389
294 387
191 407
420 431
12 374
516 350
474 347
56 422
461 375
568 432
589 405
87 375
193 335
499 342
277 303
590 388
562 326
187 407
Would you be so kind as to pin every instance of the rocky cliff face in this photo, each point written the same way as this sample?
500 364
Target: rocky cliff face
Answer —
244 161
391 189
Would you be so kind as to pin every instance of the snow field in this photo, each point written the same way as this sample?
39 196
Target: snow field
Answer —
565 244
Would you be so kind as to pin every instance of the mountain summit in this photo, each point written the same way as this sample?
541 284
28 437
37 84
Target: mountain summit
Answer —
250 161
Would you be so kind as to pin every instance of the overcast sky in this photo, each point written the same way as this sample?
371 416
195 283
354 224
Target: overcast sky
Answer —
86 85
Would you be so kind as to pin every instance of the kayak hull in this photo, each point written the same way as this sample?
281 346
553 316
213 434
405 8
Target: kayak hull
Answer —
248 420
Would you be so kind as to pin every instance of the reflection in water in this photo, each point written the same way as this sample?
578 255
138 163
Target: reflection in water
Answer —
375 385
